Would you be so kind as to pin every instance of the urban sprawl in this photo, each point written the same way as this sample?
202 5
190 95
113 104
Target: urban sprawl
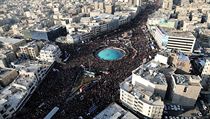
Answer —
105 59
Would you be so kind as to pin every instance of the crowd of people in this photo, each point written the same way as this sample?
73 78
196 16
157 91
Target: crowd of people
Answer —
58 85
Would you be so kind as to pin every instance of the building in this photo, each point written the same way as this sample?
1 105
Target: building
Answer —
101 6
138 2
167 4
17 93
152 76
50 53
6 57
174 39
180 61
145 89
31 50
206 69
185 89
109 8
7 75
185 2
48 34
115 111
12 43
140 99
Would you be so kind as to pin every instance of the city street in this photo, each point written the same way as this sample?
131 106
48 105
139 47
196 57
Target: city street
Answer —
57 87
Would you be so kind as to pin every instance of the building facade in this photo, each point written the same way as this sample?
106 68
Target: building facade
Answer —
185 89
31 50
50 53
140 100
174 39
16 94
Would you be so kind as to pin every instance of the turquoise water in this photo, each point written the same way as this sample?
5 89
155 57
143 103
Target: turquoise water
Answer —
111 54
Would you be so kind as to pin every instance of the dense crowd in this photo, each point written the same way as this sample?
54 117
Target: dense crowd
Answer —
57 86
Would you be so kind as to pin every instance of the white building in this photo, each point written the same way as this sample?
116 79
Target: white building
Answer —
150 77
15 95
144 90
50 53
115 111
140 99
206 69
174 39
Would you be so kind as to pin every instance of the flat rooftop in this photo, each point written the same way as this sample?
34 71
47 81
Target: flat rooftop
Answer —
4 72
49 47
12 94
115 111
177 33
151 72
10 40
187 79
143 94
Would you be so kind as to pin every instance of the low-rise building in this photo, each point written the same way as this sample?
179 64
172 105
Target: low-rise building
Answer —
12 43
185 89
206 69
180 61
7 75
174 39
151 77
31 50
6 57
17 93
145 90
115 111
140 99
50 53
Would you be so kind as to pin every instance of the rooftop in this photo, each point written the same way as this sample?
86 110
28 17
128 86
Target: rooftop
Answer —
12 94
114 111
49 47
4 72
10 40
31 44
140 92
187 79
177 33
29 65
151 71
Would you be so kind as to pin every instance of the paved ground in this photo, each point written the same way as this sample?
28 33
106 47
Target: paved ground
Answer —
57 86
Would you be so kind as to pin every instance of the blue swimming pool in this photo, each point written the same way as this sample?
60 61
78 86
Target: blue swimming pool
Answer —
111 54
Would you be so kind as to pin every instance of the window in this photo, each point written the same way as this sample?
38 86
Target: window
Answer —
185 89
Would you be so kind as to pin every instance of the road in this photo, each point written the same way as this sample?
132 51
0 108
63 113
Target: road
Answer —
57 86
